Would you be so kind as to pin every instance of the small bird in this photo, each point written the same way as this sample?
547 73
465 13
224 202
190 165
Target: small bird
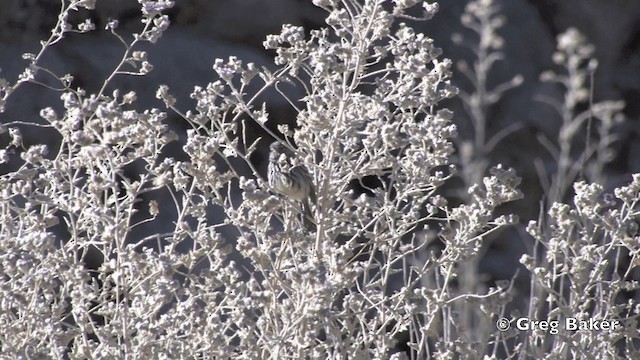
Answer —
288 180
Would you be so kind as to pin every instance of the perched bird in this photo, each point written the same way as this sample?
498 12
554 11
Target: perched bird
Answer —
291 181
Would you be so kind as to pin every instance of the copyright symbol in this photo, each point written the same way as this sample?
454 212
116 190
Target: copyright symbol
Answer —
503 324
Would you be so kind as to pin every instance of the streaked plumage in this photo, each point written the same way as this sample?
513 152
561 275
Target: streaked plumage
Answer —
291 181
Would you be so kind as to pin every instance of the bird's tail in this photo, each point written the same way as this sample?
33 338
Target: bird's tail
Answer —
309 218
